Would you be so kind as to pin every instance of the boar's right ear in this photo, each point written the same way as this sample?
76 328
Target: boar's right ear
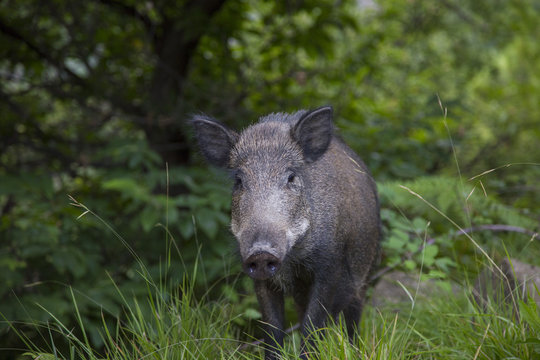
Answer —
215 139
314 132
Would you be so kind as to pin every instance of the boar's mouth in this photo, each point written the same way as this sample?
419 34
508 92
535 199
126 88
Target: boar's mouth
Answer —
261 265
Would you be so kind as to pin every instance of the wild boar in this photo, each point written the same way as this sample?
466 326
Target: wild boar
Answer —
305 213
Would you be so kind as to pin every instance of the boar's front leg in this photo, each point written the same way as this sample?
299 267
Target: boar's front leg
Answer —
319 307
271 301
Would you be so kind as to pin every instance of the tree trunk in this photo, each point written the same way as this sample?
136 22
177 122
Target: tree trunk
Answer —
175 44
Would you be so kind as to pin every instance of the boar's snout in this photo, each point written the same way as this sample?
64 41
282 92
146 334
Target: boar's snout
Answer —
261 265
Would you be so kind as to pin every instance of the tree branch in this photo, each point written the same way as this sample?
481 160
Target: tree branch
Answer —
14 34
130 11
497 228
464 15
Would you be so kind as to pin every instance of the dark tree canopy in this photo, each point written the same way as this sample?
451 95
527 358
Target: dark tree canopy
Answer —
106 58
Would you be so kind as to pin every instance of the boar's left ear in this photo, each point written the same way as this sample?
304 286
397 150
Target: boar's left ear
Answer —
314 131
215 139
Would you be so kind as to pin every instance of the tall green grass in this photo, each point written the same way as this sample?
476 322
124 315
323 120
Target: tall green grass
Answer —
173 324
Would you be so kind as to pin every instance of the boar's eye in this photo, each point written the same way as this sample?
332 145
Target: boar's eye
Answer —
293 181
238 185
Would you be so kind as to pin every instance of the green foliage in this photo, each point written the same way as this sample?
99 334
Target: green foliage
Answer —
417 236
381 68
46 250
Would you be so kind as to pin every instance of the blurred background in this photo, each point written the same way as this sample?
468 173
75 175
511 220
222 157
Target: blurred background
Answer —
95 97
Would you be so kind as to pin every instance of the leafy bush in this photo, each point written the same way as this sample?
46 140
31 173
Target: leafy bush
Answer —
419 236
46 251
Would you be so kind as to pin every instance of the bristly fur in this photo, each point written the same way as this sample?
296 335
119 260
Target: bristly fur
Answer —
283 117
265 143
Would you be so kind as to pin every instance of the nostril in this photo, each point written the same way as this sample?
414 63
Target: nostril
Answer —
252 267
272 266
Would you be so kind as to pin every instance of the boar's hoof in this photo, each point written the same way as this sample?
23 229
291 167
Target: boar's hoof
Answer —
261 265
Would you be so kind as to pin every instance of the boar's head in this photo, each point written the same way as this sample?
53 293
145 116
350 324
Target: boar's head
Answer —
268 161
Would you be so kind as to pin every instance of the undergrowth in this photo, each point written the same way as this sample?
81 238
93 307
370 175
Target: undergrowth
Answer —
176 326
179 323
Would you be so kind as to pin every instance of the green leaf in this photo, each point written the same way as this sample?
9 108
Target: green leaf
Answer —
207 222
252 314
409 264
429 254
129 188
185 226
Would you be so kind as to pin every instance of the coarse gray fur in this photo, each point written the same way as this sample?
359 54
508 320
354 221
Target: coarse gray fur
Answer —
305 214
